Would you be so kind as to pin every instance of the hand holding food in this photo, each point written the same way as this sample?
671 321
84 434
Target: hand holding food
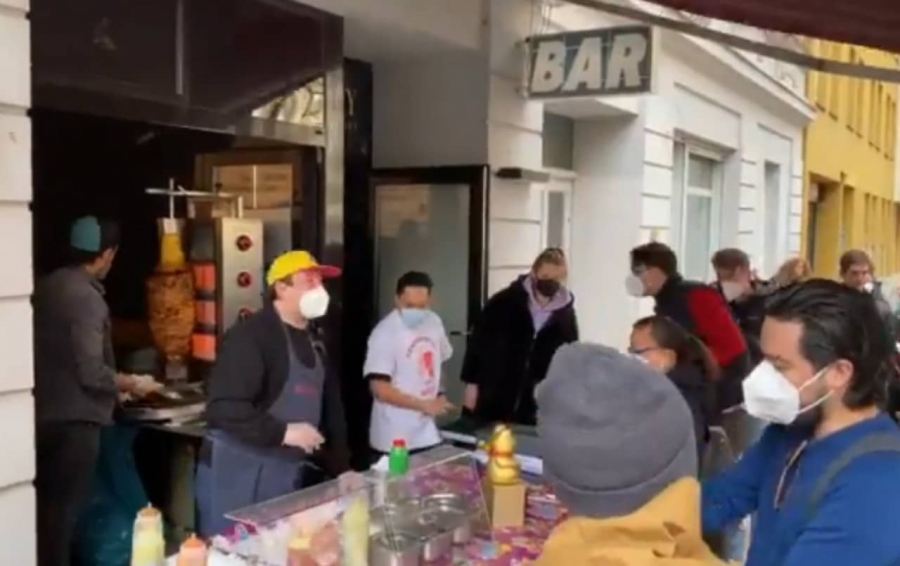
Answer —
125 383
436 407
137 385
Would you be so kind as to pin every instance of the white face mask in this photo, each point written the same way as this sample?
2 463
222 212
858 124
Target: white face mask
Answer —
769 396
634 286
314 303
731 290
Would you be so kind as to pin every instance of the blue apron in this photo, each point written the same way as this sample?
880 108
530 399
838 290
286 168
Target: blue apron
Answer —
240 475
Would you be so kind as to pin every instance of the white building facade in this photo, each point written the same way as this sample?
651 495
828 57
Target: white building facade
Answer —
17 512
712 158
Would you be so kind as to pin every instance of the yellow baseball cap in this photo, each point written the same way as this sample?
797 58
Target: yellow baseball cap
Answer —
290 263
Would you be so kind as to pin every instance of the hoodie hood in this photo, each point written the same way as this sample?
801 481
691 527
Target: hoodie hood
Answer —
562 298
664 532
540 314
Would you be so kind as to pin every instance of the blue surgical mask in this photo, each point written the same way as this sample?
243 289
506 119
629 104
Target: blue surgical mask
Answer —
413 317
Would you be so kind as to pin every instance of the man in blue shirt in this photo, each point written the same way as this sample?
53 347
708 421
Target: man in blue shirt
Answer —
823 479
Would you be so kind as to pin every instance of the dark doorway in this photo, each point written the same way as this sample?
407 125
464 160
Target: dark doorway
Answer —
433 220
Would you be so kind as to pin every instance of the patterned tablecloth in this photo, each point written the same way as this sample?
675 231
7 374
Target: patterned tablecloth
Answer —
499 547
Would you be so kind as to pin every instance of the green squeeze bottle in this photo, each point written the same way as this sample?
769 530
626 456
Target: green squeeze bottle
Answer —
398 459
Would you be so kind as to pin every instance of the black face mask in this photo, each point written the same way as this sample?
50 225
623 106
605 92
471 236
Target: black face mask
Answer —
547 287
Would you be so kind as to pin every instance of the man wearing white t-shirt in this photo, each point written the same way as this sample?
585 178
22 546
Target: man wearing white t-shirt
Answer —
403 367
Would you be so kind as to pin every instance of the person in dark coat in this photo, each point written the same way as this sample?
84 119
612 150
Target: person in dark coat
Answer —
682 357
513 341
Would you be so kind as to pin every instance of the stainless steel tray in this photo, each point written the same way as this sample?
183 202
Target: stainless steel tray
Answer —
161 414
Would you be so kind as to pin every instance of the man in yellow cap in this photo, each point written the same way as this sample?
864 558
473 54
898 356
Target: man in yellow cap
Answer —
272 402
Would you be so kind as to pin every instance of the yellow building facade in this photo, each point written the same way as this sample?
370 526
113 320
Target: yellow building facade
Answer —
850 155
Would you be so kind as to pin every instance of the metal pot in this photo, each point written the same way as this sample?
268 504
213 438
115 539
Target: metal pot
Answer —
395 549
450 510
436 535
395 516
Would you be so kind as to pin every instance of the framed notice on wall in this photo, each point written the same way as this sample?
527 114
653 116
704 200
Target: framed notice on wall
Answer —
399 205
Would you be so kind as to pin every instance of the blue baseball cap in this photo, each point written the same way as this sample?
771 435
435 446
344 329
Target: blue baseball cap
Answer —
86 234
92 235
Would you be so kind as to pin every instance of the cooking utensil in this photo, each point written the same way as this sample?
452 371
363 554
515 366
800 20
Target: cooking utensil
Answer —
396 516
395 549
436 533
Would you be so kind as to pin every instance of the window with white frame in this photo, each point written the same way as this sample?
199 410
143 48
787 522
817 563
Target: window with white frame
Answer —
700 204
557 214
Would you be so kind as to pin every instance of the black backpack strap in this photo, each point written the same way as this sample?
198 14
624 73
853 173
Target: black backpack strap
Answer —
880 442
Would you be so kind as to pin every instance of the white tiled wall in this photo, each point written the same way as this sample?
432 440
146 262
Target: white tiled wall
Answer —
17 506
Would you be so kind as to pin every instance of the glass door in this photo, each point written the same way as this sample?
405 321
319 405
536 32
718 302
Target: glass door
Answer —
433 220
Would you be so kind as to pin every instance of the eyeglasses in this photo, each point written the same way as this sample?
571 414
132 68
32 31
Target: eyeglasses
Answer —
791 468
640 351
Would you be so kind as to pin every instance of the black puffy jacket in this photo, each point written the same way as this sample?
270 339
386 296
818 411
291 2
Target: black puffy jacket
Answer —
506 358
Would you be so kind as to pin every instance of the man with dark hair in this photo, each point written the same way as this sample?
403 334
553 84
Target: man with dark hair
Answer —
76 383
697 307
403 367
273 401
822 479
858 271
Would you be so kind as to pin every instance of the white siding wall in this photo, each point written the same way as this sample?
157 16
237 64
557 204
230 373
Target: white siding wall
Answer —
17 507
738 124
624 191
515 127
606 224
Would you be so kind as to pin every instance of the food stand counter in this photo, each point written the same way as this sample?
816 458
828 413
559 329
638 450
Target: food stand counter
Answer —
336 512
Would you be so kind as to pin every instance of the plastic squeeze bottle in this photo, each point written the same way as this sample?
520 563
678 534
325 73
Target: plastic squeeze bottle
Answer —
398 458
300 552
192 553
147 544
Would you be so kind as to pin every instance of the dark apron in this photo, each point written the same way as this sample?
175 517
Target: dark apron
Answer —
240 475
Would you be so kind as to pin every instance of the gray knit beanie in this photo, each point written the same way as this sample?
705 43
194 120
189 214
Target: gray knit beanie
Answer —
613 432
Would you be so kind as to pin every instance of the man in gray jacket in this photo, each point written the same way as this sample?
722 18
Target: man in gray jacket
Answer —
76 384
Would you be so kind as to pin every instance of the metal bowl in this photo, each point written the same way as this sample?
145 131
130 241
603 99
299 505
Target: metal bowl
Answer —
395 549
